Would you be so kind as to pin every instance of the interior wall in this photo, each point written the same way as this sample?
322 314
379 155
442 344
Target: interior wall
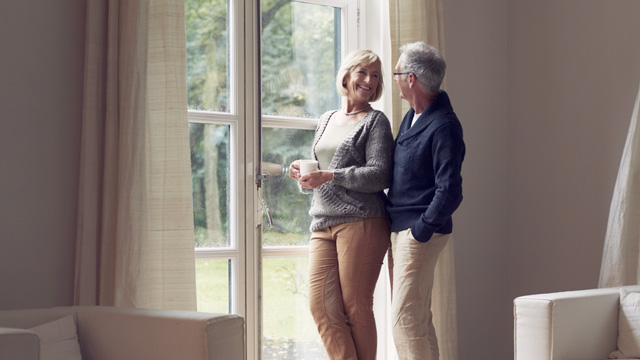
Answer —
574 71
40 109
476 55
545 91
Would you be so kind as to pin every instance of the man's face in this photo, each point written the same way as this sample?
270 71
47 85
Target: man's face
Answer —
401 80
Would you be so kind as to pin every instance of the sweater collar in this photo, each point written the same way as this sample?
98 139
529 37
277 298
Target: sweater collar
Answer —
441 105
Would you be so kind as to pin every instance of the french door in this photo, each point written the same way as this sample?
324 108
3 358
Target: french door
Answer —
260 73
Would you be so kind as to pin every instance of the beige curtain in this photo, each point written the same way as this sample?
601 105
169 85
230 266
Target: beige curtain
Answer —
135 221
411 21
621 255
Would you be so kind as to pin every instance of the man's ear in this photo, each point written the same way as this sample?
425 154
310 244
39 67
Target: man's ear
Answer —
411 79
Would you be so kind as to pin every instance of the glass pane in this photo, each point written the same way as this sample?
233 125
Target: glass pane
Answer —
300 58
208 52
212 285
210 176
289 330
289 208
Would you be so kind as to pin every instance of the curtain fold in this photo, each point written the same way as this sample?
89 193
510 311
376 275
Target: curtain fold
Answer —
411 21
621 254
134 243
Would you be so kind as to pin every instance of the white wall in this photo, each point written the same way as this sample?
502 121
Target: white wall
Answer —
41 62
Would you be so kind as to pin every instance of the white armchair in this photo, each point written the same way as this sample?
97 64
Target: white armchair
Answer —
571 325
110 333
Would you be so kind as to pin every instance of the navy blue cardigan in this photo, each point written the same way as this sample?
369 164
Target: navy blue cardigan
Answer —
427 186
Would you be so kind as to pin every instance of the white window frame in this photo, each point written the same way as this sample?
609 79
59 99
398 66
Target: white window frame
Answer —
237 155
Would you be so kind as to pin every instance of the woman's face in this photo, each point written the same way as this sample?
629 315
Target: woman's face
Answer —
362 82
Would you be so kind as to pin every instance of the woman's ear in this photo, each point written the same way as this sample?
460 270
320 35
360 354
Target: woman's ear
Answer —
344 81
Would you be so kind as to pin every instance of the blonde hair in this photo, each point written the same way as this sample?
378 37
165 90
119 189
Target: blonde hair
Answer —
353 59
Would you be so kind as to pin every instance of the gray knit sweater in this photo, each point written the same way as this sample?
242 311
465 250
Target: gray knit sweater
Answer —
361 169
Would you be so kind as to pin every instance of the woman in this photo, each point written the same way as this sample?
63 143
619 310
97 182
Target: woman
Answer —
350 231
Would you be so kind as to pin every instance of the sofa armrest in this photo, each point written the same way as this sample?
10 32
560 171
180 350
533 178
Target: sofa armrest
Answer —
579 324
143 334
19 344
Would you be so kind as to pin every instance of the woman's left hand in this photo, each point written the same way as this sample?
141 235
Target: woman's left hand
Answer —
315 178
294 170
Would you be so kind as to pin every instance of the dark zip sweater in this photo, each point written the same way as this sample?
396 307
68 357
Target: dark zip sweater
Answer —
426 187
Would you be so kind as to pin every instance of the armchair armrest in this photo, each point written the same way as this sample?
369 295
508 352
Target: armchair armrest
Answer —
144 334
18 344
566 325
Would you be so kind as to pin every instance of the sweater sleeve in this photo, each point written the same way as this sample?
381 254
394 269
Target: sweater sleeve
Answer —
448 153
375 175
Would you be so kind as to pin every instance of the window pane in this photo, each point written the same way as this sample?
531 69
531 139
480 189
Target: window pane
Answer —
212 285
300 58
210 176
289 330
207 32
289 208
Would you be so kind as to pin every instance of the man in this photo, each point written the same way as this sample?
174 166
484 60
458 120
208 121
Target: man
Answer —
425 191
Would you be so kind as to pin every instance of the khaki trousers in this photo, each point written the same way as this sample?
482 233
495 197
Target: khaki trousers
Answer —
344 264
411 267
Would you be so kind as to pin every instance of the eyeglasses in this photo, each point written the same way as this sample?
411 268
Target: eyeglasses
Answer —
400 73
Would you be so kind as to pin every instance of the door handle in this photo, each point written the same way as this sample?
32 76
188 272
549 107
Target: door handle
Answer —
269 169
273 169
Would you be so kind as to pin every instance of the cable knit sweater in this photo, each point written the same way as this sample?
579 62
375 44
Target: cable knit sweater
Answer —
361 169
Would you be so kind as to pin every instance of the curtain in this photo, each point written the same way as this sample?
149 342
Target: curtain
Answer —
411 21
134 243
621 255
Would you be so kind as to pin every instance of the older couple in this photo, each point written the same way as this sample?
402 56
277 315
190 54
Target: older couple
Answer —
355 223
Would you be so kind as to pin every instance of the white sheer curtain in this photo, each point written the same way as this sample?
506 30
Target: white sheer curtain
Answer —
411 21
621 255
135 221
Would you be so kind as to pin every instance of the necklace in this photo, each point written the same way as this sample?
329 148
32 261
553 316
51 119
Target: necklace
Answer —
357 112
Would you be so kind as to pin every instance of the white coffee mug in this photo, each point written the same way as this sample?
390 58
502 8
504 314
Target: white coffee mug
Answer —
307 166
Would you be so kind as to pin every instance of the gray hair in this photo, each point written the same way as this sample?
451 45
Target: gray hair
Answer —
426 63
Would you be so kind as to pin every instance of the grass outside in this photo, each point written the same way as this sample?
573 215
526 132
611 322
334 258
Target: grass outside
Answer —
212 285
288 328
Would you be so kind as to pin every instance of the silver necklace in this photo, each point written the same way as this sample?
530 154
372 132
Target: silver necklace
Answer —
356 112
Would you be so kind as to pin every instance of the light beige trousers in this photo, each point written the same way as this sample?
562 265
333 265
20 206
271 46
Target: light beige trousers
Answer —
344 264
411 267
